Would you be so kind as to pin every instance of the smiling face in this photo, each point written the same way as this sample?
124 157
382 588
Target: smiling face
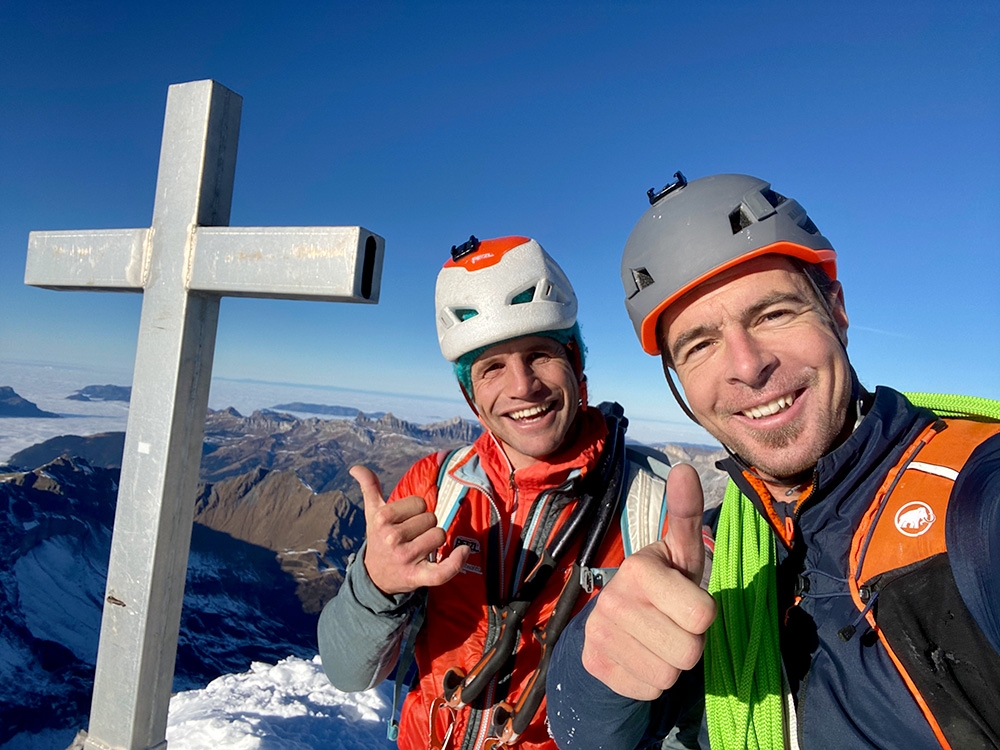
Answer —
527 395
762 364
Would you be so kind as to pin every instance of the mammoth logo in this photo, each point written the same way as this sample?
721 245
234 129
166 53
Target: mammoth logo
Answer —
913 519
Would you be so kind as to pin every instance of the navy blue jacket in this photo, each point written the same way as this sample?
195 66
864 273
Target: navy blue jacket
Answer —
848 694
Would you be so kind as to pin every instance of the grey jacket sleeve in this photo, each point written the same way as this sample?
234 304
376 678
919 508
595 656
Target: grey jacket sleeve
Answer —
360 630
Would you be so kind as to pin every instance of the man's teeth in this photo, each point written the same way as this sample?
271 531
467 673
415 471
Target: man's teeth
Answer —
767 410
532 411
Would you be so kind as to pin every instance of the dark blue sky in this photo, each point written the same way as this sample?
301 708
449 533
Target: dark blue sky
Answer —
427 122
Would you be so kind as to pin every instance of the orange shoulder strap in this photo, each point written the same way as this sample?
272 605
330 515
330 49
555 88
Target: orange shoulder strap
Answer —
906 520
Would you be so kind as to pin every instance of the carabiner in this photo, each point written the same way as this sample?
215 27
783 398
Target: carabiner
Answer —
504 734
439 740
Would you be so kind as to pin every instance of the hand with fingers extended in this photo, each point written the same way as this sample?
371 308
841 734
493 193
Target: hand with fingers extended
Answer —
402 540
649 622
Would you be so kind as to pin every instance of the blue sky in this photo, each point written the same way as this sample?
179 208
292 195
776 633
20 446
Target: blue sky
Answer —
428 122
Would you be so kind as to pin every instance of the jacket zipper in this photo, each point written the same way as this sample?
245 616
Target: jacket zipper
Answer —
798 701
478 728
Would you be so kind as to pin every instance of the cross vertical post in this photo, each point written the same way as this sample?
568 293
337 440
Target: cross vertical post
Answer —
183 264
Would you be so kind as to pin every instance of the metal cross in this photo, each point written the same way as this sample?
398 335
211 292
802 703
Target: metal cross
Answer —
183 264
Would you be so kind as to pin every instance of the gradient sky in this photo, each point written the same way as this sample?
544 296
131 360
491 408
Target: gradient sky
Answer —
428 122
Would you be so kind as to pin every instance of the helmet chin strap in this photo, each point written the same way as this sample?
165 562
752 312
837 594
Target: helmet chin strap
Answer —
468 400
676 391
828 312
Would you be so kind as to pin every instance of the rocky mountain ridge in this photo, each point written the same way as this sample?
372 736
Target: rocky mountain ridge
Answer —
103 393
239 604
322 409
703 458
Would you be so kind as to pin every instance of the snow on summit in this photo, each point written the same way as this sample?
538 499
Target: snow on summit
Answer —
288 706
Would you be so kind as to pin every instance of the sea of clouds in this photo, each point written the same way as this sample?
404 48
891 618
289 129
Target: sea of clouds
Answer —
48 385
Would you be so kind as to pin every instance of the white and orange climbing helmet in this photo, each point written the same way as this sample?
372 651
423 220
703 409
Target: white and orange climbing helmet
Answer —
491 291
695 230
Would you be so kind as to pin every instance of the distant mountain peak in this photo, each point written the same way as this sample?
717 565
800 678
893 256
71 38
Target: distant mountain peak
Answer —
103 393
13 405
328 410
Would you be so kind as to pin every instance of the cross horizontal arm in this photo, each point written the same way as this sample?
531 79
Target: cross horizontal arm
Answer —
102 260
337 264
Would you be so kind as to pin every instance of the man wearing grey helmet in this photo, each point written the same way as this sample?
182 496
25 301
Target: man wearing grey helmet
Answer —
857 560
480 555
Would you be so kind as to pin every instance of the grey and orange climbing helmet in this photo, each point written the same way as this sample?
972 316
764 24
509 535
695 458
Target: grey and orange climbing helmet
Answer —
491 291
695 230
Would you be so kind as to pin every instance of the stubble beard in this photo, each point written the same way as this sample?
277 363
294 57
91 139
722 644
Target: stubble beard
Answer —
764 443
759 449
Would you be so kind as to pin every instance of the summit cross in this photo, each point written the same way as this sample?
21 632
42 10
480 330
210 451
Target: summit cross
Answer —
183 264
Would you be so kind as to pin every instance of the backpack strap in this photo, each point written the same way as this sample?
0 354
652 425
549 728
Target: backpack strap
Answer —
915 492
905 523
405 661
450 494
645 507
643 512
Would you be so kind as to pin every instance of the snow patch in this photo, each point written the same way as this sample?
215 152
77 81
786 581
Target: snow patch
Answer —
286 706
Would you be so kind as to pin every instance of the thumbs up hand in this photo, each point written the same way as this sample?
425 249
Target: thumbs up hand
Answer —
649 622
402 541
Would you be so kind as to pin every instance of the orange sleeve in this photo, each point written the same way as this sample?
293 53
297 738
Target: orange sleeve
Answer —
421 480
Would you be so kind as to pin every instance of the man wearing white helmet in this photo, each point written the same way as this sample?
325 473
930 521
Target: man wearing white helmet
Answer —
857 570
481 555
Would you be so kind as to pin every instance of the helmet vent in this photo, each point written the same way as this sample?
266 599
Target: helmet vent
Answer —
775 199
466 313
809 226
740 219
642 279
526 296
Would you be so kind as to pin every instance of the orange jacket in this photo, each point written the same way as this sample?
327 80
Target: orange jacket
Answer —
506 518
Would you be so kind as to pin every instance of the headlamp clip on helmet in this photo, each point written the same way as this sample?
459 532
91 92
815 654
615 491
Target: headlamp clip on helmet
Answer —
680 181
469 246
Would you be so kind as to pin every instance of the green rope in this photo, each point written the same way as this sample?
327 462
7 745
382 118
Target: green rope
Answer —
743 693
965 407
742 659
